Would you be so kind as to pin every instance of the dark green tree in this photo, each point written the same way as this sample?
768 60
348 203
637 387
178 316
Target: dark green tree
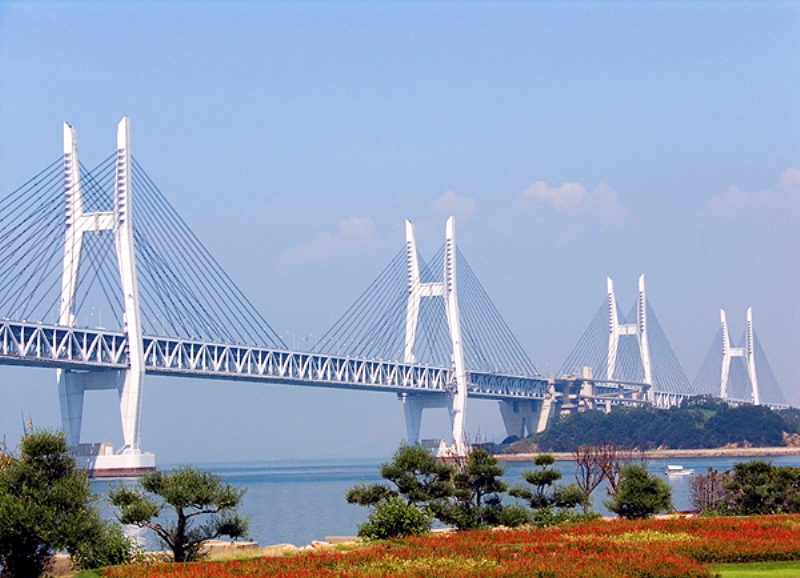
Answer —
551 502
640 494
416 474
543 481
420 479
758 487
190 493
46 505
476 497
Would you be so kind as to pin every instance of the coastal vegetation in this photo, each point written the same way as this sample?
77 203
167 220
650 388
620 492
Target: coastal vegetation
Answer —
190 493
46 506
550 502
674 548
541 534
467 493
754 487
462 493
640 494
700 422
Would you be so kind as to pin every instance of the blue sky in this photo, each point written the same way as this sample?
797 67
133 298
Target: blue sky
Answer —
571 140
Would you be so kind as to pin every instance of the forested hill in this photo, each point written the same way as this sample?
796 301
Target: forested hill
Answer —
698 423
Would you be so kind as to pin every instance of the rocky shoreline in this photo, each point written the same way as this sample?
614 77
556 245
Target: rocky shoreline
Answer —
664 453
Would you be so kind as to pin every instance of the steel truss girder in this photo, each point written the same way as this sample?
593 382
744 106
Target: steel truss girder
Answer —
26 343
665 400
44 345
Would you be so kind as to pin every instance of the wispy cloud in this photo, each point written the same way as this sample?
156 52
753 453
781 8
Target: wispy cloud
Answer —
576 201
734 203
450 204
354 235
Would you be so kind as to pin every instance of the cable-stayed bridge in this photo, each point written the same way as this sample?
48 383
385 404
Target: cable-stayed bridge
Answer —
739 374
76 241
627 352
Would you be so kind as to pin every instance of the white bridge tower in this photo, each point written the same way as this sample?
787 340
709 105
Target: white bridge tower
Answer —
72 384
639 329
447 290
748 352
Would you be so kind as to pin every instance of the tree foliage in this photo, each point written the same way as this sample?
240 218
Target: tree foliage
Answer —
421 482
46 505
395 517
754 487
190 493
465 493
697 423
476 490
640 494
552 503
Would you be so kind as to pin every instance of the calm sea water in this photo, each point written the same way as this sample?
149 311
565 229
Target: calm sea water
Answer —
297 502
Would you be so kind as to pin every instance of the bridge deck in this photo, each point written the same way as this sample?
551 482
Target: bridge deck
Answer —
37 344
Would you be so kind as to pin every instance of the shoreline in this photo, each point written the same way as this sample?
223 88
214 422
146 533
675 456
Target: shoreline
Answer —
656 454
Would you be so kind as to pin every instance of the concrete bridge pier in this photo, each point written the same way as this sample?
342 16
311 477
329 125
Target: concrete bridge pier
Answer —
413 404
524 417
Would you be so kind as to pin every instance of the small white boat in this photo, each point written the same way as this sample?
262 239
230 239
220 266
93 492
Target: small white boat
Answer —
678 471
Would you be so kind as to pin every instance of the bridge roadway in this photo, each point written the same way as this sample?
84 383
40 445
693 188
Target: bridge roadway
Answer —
57 346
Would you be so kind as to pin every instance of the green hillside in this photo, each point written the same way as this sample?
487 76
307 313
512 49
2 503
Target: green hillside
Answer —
697 423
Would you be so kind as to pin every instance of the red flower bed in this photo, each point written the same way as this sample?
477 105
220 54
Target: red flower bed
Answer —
602 549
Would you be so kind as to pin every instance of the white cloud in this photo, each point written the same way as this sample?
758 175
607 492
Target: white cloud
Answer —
790 178
450 204
354 235
734 202
574 200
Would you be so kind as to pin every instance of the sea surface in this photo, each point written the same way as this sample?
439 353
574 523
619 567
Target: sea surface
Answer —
296 502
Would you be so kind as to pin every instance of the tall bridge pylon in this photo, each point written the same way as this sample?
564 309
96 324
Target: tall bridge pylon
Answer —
637 329
739 374
78 223
72 254
437 313
747 352
447 290
618 352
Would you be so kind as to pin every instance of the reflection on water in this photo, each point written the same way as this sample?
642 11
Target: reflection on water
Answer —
297 502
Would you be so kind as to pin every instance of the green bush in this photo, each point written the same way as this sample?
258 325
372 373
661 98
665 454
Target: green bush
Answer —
394 517
108 546
46 505
640 494
514 515
476 489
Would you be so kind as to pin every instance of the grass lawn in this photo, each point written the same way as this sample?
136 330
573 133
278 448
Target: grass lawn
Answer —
759 570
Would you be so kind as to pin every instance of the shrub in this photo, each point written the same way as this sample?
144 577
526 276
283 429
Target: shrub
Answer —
46 506
513 515
394 517
107 546
640 494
